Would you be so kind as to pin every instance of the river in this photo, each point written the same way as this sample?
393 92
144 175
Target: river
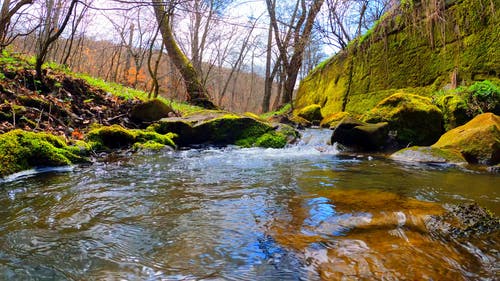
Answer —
299 213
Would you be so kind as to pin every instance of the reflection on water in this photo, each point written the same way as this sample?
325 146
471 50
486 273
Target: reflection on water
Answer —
303 213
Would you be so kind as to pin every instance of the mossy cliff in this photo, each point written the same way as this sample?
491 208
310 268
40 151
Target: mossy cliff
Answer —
455 45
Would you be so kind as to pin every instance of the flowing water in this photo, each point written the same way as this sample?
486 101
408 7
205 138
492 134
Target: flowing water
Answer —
301 213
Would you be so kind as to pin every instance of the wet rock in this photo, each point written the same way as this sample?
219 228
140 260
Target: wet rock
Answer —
413 119
215 128
464 220
429 155
478 140
150 111
358 135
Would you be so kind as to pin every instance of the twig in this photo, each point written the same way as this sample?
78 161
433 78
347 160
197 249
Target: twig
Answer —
39 118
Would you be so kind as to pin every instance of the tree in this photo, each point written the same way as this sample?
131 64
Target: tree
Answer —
198 94
7 12
298 34
51 30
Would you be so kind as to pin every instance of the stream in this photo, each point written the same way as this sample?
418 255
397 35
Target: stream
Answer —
300 213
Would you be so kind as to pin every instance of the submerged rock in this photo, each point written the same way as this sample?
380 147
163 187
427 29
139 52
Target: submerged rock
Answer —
412 118
21 150
478 140
429 155
221 128
358 135
464 220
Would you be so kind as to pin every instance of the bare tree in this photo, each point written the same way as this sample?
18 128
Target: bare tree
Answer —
7 12
299 28
51 29
198 94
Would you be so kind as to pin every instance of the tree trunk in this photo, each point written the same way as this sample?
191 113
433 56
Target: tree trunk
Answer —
197 93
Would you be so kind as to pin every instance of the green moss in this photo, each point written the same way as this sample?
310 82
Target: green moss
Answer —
149 145
414 119
21 150
311 113
397 54
478 140
115 136
333 119
271 140
429 155
454 108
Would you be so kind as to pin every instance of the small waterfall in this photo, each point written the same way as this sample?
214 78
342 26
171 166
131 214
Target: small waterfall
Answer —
316 141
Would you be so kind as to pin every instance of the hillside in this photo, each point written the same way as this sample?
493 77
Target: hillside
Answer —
419 48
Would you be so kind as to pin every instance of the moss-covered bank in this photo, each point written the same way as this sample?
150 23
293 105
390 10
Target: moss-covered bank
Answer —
408 50
21 150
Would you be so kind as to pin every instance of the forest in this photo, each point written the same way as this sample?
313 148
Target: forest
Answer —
232 45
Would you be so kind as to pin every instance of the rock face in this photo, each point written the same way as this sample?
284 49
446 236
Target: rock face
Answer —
429 155
412 118
478 140
220 128
358 135
150 111
408 51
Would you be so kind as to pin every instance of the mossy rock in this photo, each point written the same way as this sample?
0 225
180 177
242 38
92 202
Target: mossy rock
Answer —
359 135
454 109
21 150
334 119
412 118
213 128
478 140
311 113
299 121
150 111
271 140
429 155
117 137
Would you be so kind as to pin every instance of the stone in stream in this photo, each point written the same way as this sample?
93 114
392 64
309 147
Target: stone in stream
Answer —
211 127
478 140
414 119
359 135
429 155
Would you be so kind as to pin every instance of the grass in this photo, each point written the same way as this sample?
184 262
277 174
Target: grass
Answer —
281 111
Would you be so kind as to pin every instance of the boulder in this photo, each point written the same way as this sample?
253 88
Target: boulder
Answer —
311 113
218 128
150 111
429 155
358 135
413 119
478 140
